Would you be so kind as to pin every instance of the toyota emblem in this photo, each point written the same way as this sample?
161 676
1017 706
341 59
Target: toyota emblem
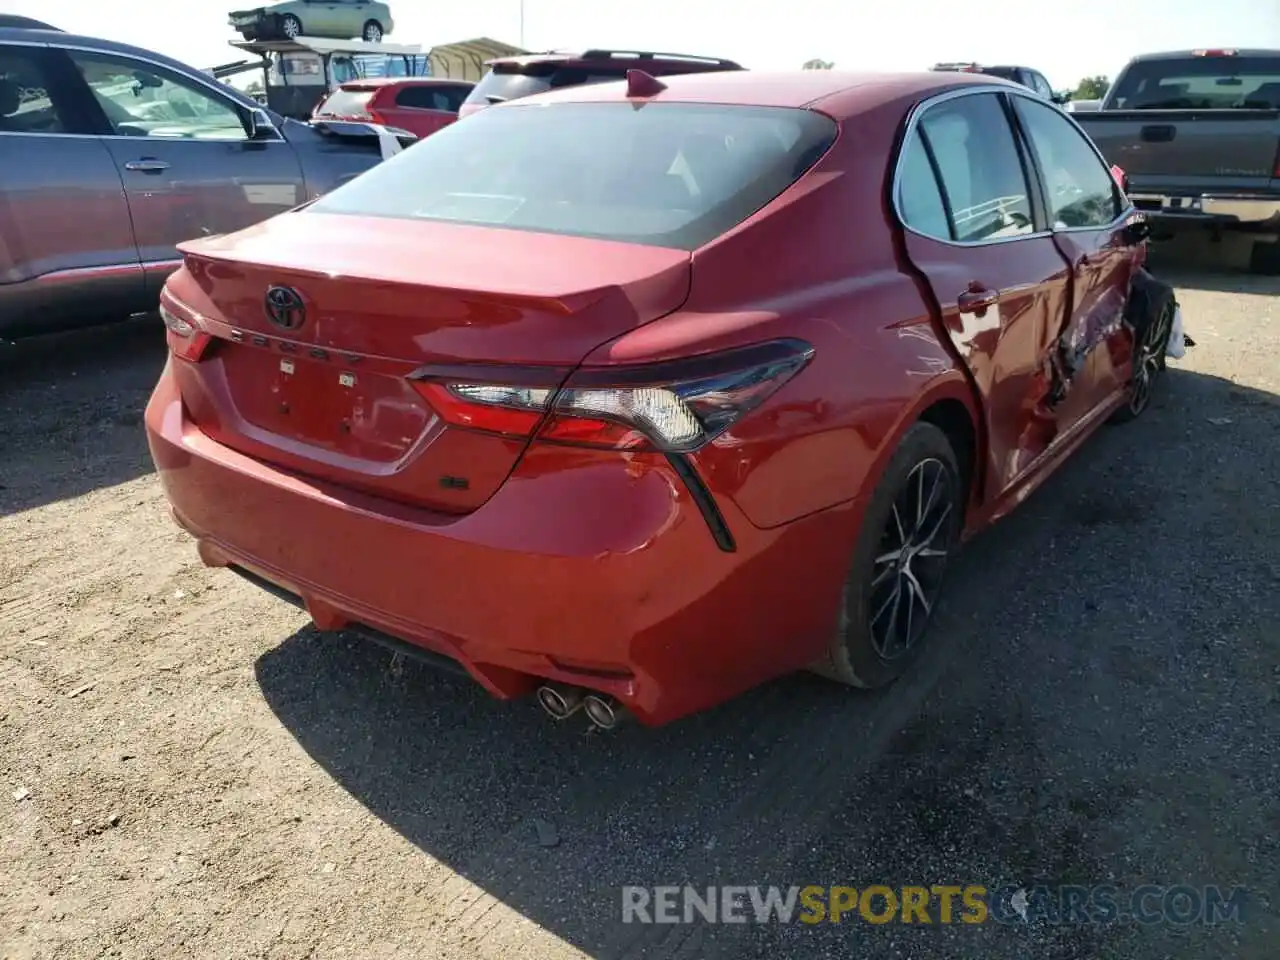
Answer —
285 307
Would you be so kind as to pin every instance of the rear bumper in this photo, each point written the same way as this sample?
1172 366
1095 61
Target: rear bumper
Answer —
595 571
1239 211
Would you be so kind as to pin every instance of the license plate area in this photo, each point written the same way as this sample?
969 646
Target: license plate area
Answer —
325 403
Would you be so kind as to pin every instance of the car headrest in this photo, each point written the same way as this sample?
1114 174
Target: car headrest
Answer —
8 97
1268 93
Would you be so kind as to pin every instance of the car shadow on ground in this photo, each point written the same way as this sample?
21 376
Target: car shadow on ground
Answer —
1194 263
71 404
1090 710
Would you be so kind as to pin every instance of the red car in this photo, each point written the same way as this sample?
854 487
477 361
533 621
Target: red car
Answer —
421 105
510 78
638 395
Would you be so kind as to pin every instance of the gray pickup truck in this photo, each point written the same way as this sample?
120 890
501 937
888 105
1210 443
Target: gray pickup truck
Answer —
111 155
1197 133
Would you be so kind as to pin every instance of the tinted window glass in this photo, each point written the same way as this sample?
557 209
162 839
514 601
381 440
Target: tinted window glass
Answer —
538 78
1080 188
1200 83
498 86
981 171
26 96
142 101
1041 86
426 98
919 199
1004 73
346 103
674 175
457 96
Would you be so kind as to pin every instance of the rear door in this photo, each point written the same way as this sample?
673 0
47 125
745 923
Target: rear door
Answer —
342 18
421 108
319 18
183 152
976 231
65 235
1087 214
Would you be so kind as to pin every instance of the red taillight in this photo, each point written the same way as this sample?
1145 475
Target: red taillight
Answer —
376 117
492 408
674 407
182 331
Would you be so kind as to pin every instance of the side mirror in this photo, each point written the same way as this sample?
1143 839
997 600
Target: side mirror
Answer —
1137 232
261 126
1062 97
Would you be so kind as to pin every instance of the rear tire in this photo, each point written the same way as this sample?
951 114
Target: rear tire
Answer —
372 32
1264 258
910 529
290 27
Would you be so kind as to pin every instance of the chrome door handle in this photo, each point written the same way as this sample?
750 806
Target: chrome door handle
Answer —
146 165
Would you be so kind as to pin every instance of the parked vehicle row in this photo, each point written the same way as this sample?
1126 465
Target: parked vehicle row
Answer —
639 428
1198 133
111 155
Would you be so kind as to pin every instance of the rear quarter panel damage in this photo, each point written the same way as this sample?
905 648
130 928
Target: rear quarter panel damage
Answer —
819 264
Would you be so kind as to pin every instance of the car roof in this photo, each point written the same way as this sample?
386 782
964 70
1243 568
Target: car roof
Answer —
615 58
1199 52
838 93
26 23
405 81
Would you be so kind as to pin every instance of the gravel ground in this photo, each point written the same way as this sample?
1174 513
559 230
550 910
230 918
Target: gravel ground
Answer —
189 770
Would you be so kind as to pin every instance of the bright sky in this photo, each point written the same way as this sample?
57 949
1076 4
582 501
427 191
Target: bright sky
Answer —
1066 39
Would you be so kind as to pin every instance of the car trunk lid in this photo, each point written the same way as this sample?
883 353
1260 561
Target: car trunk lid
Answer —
1189 148
327 393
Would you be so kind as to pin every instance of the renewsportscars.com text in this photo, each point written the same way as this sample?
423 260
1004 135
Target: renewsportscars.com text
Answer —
939 903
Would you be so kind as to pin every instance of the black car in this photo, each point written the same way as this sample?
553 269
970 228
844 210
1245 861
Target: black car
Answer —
1026 76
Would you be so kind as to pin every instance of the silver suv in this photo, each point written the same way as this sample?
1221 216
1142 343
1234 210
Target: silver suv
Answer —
111 155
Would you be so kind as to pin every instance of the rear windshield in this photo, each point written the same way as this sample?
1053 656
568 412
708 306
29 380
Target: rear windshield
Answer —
1200 83
1004 73
346 103
666 174
512 83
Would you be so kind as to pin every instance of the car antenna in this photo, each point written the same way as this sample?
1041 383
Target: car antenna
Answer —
642 84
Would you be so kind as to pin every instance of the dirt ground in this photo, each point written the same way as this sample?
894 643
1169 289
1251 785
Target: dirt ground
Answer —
187 769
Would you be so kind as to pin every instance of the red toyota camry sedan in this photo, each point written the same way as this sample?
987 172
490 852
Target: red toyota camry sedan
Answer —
636 395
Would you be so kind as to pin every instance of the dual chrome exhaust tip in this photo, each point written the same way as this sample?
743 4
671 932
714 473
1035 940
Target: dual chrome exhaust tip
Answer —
561 702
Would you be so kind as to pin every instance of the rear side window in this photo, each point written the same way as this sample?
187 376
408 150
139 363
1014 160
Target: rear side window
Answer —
26 94
429 98
674 175
346 103
919 199
980 168
1200 83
